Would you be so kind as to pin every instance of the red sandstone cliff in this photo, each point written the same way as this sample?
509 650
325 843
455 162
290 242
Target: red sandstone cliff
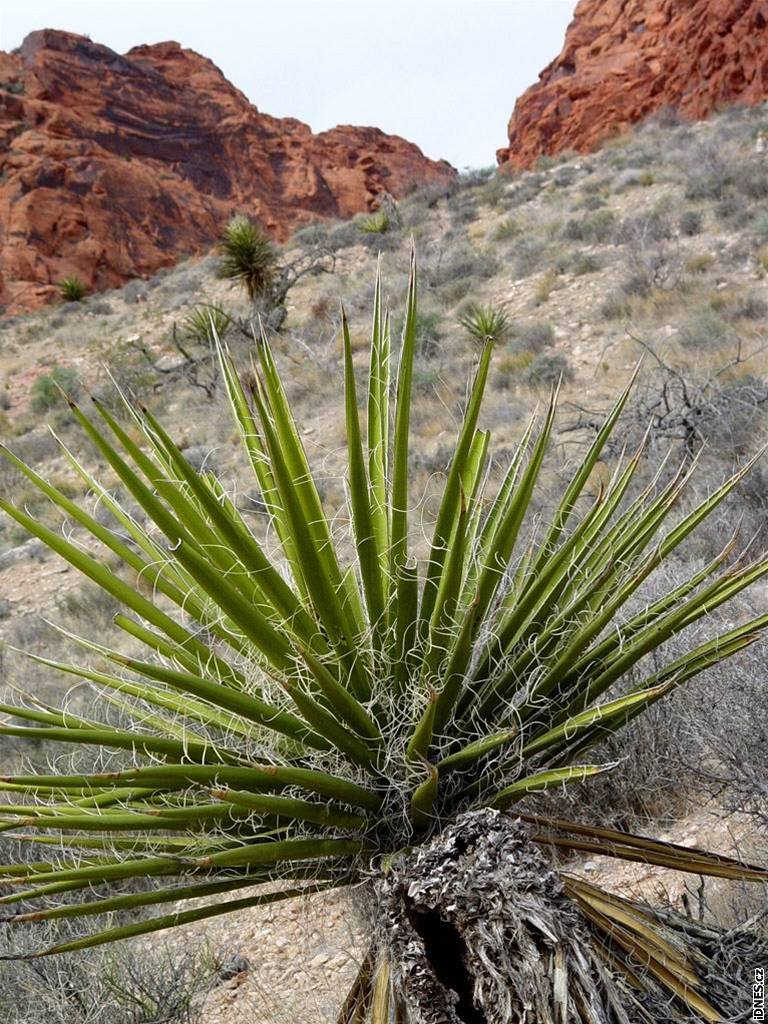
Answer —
114 166
624 59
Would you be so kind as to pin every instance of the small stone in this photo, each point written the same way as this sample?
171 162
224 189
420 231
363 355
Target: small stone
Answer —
169 362
234 965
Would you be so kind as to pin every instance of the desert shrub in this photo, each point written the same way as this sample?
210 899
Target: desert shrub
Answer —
658 753
598 227
455 291
594 184
426 378
546 369
616 306
414 214
72 289
48 387
343 236
310 236
580 263
100 308
699 263
528 255
655 226
464 209
705 329
732 420
748 307
33 448
506 229
734 211
485 322
638 285
698 403
135 291
149 984
630 177
475 177
524 191
492 192
691 223
130 370
428 332
201 457
739 739
709 170
88 604
564 177
752 182
760 226
376 224
545 286
533 335
458 262
511 365
652 261
590 201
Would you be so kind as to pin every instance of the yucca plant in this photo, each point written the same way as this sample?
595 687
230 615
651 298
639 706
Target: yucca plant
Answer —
72 289
206 323
248 257
485 323
309 721
376 224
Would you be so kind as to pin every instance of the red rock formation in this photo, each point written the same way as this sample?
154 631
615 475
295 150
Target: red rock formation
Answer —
624 59
114 166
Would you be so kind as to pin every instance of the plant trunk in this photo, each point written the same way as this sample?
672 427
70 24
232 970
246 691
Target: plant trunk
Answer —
480 931
475 927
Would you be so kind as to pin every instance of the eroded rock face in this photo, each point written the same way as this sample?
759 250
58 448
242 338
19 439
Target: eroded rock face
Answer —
115 166
624 59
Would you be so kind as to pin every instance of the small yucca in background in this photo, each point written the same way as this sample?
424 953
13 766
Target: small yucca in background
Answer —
248 257
485 323
207 323
319 721
376 224
72 289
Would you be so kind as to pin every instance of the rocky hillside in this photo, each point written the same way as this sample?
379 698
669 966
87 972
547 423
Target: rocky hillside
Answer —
625 59
112 167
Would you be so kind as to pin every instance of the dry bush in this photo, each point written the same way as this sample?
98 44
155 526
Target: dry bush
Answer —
730 739
707 741
136 983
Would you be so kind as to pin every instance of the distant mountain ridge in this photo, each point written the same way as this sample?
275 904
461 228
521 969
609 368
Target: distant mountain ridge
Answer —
624 59
114 166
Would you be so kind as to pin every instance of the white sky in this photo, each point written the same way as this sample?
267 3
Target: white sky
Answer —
442 73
